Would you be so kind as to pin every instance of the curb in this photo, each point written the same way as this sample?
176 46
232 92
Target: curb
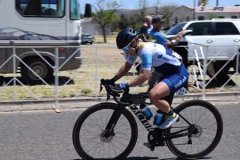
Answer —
85 102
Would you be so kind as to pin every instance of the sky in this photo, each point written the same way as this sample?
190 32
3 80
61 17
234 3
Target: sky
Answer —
134 4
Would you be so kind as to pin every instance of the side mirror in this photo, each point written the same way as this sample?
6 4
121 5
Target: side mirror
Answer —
88 10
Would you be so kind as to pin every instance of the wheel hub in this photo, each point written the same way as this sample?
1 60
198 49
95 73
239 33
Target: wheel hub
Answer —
196 131
105 138
38 69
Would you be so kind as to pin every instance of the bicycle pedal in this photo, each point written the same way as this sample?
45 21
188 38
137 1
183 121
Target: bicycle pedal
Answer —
148 145
160 144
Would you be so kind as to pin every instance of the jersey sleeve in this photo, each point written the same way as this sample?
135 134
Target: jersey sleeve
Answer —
146 61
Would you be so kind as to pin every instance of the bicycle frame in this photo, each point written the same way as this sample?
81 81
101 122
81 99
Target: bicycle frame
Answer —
141 117
127 101
118 120
146 123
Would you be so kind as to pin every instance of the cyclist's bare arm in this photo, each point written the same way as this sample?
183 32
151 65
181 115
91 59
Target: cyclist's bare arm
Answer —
145 75
122 71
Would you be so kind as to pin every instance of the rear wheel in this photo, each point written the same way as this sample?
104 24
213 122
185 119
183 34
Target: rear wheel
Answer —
89 129
40 68
204 134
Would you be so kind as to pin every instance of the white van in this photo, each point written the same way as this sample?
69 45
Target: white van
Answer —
40 23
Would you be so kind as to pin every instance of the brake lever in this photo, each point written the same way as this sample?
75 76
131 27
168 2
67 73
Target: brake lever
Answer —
101 87
109 89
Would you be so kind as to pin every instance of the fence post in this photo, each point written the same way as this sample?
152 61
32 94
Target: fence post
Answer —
97 71
204 71
14 74
56 81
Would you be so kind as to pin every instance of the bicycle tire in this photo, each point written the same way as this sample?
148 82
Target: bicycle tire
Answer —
100 113
205 111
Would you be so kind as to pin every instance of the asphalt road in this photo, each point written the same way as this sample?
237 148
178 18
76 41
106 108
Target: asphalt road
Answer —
46 135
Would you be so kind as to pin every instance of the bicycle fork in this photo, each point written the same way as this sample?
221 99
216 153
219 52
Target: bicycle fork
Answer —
109 130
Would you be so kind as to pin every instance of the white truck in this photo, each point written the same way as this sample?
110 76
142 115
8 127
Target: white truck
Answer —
40 23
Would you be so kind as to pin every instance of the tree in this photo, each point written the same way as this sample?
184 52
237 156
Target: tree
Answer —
166 12
202 2
143 7
106 18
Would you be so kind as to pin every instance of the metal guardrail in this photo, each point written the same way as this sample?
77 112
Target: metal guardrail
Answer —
101 61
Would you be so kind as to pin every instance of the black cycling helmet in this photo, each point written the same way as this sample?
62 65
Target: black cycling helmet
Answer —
124 37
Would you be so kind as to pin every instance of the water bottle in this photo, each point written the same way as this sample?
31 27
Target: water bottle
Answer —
146 111
158 119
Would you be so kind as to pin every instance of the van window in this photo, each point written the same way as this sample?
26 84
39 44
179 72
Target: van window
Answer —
41 8
74 9
226 28
199 29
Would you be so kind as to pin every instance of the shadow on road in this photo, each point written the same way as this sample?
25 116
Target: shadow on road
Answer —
146 158
154 158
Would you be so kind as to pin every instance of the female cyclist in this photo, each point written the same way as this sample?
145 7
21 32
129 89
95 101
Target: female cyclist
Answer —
166 62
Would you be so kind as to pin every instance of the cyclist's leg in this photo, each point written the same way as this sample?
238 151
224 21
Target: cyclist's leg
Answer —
169 99
154 79
161 90
167 87
156 95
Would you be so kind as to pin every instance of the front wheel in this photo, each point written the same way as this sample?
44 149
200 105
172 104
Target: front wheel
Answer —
89 129
204 133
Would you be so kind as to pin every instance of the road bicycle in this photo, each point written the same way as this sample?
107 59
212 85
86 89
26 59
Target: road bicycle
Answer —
109 130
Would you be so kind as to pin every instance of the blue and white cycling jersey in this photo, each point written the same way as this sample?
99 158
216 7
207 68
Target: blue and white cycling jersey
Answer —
164 61
157 56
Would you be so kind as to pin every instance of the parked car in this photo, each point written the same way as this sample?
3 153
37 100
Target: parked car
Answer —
87 38
222 36
220 39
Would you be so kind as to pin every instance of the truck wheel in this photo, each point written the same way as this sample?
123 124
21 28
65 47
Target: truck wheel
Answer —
39 67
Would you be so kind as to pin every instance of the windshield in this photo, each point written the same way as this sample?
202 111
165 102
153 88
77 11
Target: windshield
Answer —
75 9
175 29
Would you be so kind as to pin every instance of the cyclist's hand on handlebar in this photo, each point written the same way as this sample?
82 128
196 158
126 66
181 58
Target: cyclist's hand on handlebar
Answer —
109 81
114 89
121 87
